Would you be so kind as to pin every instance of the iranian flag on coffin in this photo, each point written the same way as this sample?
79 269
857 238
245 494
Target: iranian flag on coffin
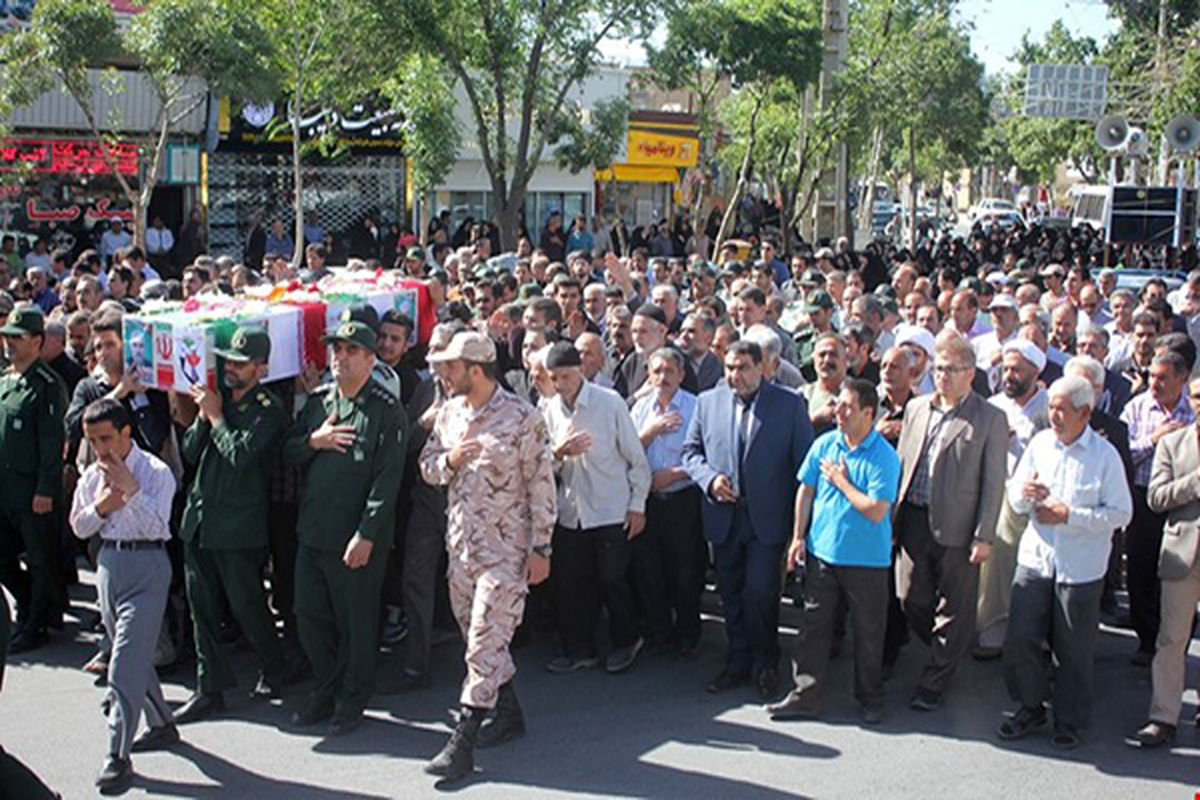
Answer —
180 353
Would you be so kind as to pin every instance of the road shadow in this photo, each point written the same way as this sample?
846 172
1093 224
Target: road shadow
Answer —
1121 698
230 778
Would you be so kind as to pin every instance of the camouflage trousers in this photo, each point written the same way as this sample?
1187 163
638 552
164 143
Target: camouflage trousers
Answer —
488 604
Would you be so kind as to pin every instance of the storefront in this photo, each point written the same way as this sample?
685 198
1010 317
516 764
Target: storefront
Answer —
645 188
251 174
466 193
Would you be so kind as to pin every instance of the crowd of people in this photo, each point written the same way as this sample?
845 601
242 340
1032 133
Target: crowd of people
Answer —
986 443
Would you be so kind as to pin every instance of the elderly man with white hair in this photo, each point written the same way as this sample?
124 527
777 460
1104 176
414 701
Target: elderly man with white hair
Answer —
774 367
1113 429
1071 483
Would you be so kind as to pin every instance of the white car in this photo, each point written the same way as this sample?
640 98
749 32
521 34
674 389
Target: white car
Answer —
990 205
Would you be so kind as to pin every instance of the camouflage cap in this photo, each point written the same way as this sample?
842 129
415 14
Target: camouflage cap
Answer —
467 346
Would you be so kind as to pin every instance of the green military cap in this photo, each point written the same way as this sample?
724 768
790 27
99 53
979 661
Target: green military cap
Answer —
889 304
818 300
249 343
530 291
24 321
416 253
354 332
812 277
361 312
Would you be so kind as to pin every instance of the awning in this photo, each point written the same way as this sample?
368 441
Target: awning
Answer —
638 173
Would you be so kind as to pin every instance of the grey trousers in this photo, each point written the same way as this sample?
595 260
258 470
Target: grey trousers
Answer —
1068 617
133 587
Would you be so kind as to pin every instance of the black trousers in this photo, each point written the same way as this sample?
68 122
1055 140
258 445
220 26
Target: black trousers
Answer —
1068 617
420 582
864 592
35 586
668 563
749 579
282 542
938 588
1143 540
589 565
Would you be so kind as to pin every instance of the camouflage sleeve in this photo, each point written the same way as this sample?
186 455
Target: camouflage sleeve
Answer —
537 471
435 455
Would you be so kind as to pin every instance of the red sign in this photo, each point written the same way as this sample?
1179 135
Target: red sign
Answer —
68 156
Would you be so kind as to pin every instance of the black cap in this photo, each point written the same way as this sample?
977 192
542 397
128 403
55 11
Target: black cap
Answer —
653 312
563 354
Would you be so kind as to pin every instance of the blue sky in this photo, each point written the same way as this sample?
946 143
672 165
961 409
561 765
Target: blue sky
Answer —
997 27
1000 24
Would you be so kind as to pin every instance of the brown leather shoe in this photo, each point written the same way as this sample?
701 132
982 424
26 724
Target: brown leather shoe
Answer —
1152 734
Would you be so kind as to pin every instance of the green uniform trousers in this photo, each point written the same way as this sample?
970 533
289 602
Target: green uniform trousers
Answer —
337 617
238 574
35 587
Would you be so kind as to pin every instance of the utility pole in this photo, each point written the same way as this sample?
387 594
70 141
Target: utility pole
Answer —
1160 85
832 215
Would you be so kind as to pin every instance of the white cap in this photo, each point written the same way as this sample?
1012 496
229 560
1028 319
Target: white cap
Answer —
1028 351
915 335
1004 301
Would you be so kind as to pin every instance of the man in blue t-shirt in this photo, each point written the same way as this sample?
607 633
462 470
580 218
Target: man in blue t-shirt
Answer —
848 482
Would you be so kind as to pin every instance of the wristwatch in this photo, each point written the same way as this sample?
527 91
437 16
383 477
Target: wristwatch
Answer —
543 550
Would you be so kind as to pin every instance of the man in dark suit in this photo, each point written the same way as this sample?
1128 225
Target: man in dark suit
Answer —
953 447
743 448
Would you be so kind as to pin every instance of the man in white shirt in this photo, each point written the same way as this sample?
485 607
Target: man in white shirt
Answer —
989 347
604 479
159 244
1071 483
125 497
114 239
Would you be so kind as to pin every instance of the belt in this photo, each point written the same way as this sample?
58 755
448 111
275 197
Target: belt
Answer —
134 544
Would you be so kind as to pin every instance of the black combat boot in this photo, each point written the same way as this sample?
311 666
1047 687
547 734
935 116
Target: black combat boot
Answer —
508 722
457 758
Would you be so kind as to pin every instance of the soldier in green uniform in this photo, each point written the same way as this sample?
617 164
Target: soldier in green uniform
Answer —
349 440
819 307
32 401
224 526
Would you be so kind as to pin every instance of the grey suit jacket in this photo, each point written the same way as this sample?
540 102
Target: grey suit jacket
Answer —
968 471
1175 490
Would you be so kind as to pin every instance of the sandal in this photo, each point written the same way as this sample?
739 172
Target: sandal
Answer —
1021 724
1065 737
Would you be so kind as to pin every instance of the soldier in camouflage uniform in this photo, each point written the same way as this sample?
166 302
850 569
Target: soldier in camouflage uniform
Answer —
493 452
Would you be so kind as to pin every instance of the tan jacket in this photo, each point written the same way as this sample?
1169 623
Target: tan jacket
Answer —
968 471
1175 490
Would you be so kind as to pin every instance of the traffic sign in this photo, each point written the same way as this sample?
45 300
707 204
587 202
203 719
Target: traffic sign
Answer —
1066 91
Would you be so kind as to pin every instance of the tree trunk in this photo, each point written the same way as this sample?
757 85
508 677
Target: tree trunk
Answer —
297 176
743 177
912 189
508 214
866 198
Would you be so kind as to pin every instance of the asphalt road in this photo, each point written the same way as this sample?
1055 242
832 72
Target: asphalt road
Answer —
652 732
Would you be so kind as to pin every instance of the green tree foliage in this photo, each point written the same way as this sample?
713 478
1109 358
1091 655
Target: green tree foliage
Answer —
519 65
769 50
175 41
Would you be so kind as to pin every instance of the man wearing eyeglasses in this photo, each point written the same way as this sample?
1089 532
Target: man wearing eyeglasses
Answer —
953 447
